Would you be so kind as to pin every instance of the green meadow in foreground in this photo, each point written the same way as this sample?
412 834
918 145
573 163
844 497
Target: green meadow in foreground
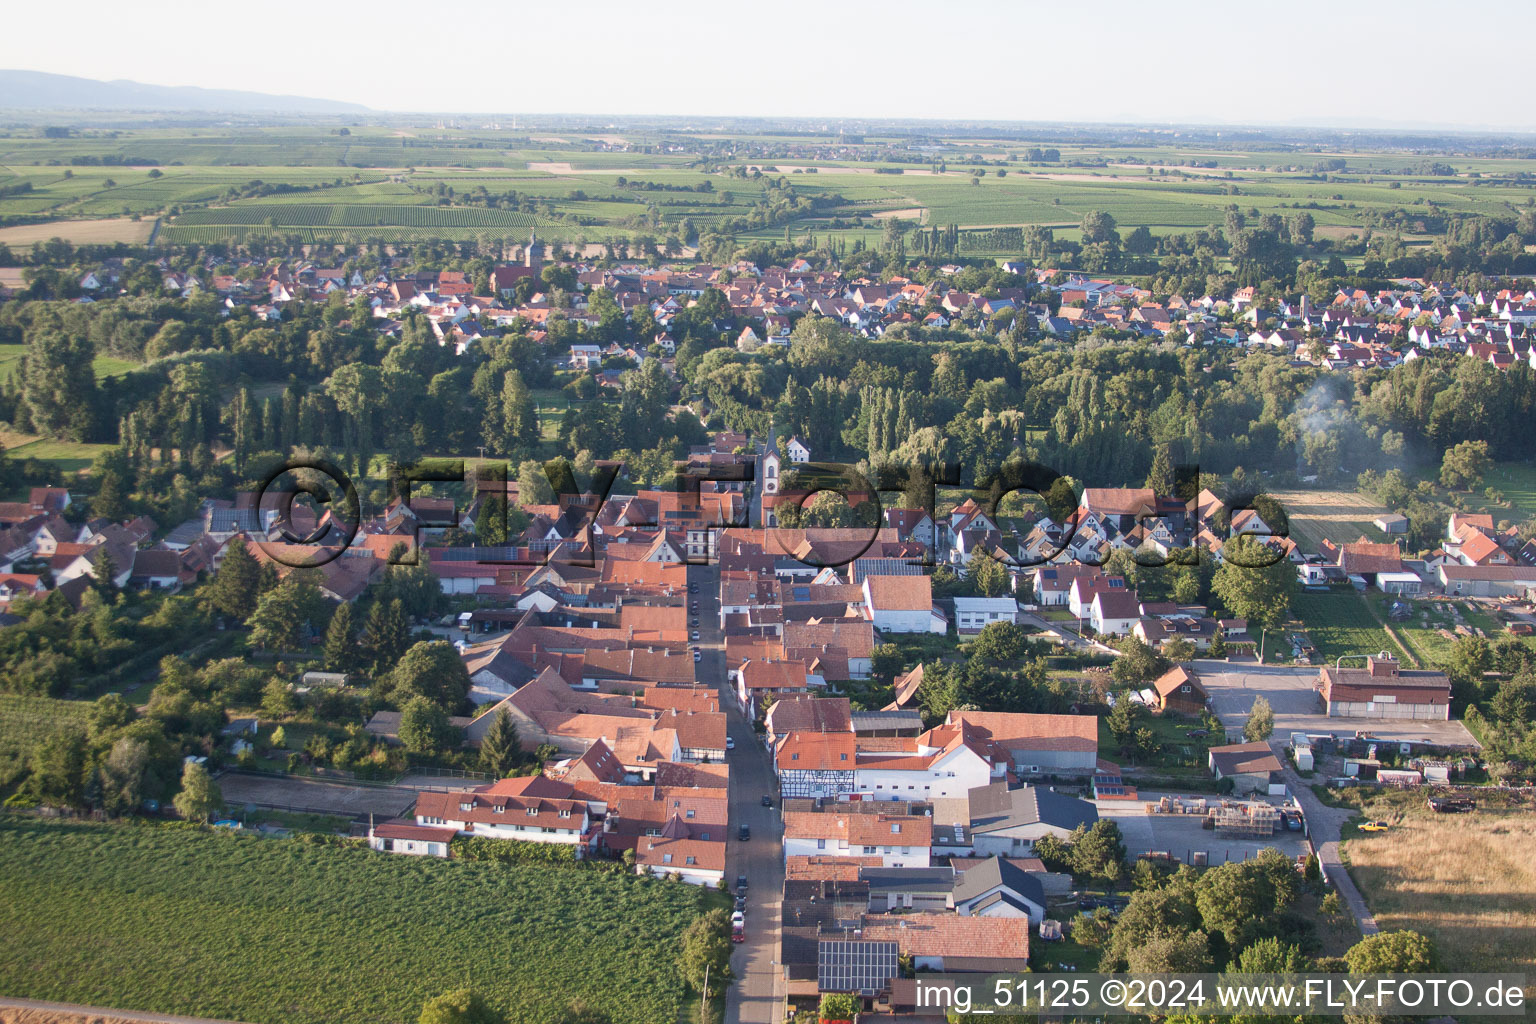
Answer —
181 920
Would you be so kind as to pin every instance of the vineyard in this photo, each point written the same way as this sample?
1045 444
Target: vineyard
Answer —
317 215
27 721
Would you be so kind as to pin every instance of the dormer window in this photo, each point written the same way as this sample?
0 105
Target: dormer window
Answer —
499 809
896 826
690 812
533 812
466 807
565 814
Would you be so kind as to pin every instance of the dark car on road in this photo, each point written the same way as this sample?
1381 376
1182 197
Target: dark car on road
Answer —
743 833
767 801
741 883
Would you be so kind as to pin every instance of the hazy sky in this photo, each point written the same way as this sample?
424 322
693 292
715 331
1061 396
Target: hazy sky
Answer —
1253 61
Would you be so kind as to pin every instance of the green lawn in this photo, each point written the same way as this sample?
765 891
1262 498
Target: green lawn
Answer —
1342 623
105 366
69 456
219 924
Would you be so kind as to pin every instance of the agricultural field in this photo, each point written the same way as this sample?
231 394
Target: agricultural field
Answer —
1339 516
1466 881
275 930
80 232
1344 623
343 179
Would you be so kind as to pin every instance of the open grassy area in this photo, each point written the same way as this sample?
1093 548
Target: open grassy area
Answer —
1343 623
69 456
1467 881
220 924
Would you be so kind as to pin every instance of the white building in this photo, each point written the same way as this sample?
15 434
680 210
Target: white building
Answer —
973 614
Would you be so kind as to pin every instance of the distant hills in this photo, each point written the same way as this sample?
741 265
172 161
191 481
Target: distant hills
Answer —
37 90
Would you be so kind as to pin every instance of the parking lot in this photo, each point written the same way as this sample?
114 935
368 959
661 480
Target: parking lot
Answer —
1299 707
1181 834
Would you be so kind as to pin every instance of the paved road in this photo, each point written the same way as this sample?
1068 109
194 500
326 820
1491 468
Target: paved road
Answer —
100 1014
1324 824
755 997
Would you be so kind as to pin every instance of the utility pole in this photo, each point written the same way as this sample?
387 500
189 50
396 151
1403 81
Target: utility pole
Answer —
1263 635
704 996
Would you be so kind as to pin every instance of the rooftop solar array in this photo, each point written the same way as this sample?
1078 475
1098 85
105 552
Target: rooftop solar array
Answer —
855 965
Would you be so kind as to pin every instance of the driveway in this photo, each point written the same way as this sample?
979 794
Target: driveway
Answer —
1324 824
1069 639
1291 692
754 998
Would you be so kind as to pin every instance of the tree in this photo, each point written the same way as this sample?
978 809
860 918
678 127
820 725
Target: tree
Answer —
1254 582
1187 953
386 635
430 669
1401 952
1238 898
424 727
1161 476
1137 662
461 1006
1261 721
839 1006
989 575
277 701
1098 850
500 749
1464 465
199 796
235 587
1511 704
289 614
1179 650
58 386
1270 956
340 644
1000 643
123 776
58 770
706 944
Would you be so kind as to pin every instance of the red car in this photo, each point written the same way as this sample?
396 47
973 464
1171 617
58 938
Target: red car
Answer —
739 934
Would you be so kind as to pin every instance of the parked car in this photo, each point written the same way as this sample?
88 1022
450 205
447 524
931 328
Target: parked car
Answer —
1375 826
741 883
767 800
730 743
694 623
741 903
698 655
744 833
737 917
695 634
739 933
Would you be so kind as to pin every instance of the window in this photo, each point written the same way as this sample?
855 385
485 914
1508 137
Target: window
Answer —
821 844
842 757
896 827
690 812
533 812
499 809
666 858
689 860
466 807
794 757
565 814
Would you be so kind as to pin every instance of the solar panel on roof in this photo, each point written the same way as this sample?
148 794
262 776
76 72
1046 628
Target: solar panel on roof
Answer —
855 965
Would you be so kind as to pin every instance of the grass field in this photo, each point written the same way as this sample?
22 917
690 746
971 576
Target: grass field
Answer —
262 930
1339 516
105 366
1517 481
1343 623
69 456
1466 881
